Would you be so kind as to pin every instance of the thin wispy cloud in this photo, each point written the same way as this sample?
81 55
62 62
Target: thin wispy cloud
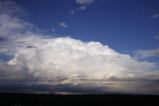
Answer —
141 54
53 30
84 2
63 24
82 5
155 16
157 36
147 53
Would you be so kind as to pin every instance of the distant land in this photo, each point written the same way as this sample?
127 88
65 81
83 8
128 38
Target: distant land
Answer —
21 99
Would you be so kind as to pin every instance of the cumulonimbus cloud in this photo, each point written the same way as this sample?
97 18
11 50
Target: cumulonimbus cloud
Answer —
65 57
47 60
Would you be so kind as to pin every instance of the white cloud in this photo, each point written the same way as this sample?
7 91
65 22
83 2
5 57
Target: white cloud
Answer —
12 25
63 24
10 22
141 54
147 53
84 2
10 7
66 57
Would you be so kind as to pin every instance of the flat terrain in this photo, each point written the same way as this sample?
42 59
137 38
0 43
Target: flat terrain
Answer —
21 99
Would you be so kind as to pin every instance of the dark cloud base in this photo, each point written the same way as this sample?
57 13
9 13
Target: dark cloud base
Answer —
92 87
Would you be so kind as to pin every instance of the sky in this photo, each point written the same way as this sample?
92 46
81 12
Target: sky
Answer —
116 23
52 46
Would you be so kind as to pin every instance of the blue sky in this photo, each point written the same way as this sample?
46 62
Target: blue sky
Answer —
125 25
